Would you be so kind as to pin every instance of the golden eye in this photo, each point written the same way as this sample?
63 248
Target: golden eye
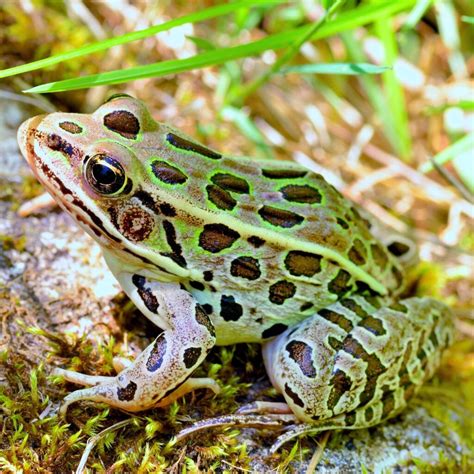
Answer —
105 174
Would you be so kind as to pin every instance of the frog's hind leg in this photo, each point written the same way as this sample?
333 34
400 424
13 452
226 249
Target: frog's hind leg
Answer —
357 362
161 372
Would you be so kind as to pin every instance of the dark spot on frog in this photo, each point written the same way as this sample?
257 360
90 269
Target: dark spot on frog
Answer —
388 401
167 173
70 127
231 183
339 284
373 325
302 263
350 419
334 343
176 251
280 217
201 315
302 354
294 396
187 145
208 275
342 223
340 384
245 267
274 330
257 242
230 309
157 354
306 306
280 291
191 356
149 299
167 209
220 197
301 193
379 255
284 174
216 237
374 365
134 223
358 253
57 143
369 414
197 285
353 306
127 393
123 122
398 249
397 306
336 318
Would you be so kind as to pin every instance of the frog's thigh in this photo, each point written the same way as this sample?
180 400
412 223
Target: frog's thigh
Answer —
166 363
356 363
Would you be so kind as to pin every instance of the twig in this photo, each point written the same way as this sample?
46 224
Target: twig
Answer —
318 453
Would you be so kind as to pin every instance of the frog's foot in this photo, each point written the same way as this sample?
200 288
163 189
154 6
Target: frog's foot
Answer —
270 421
160 374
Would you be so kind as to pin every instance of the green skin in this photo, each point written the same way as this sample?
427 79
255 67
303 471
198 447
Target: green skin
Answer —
219 250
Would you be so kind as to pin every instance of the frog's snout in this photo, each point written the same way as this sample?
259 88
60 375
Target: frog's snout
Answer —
26 136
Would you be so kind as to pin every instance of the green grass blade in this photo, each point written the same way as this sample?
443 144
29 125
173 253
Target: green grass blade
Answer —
416 14
393 90
372 89
468 19
463 145
201 15
352 69
346 21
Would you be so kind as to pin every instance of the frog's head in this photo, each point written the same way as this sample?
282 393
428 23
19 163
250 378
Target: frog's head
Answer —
87 162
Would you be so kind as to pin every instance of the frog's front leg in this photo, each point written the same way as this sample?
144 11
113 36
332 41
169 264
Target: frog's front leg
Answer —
160 374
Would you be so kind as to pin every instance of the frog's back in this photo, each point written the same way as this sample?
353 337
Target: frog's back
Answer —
278 208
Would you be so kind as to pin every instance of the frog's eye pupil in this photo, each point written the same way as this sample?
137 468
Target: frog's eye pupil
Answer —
105 174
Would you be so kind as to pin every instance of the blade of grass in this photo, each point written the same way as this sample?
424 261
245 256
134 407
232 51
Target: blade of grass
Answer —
346 21
242 92
336 68
196 17
416 14
393 90
448 29
459 147
468 19
372 89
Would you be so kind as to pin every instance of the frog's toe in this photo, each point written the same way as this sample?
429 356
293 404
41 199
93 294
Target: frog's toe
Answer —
295 431
81 379
271 421
265 407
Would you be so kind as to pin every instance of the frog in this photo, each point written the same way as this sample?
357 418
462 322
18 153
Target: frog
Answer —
217 250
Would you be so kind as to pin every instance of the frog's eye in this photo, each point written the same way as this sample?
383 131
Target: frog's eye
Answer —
105 174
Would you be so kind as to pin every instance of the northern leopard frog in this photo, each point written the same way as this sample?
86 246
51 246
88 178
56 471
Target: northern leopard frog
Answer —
219 250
